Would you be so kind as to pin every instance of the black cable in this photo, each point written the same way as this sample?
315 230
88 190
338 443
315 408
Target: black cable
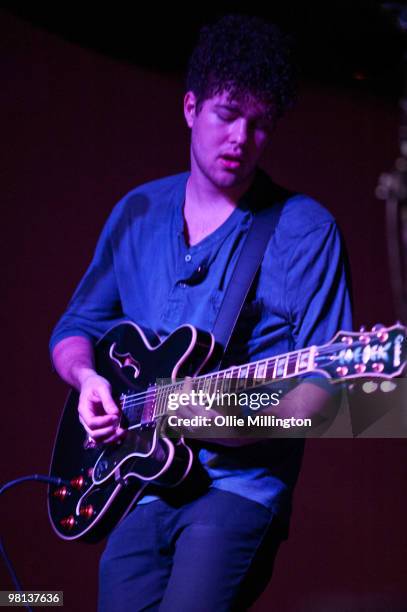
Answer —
8 485
38 478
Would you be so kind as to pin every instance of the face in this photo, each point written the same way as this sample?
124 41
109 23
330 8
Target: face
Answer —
228 138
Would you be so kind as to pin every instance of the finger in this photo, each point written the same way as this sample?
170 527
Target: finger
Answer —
108 401
119 435
97 422
190 410
90 407
98 434
186 412
187 385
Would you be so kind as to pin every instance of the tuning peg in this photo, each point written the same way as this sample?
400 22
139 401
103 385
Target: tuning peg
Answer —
377 327
383 336
387 385
342 370
370 386
364 339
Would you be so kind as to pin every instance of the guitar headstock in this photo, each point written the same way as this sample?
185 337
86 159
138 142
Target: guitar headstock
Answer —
380 352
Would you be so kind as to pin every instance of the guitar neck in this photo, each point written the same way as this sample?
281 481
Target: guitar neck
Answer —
239 378
381 353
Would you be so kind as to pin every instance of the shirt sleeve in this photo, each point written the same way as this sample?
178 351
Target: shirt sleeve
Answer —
319 290
95 306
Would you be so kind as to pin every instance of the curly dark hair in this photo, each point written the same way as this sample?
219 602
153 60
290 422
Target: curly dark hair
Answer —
245 56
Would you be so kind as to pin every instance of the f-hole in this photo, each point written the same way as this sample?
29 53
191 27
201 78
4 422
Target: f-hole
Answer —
124 360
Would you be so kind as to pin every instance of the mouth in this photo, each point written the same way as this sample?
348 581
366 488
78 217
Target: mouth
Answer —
230 161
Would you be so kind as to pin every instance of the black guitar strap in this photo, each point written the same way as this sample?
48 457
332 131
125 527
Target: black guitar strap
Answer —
260 232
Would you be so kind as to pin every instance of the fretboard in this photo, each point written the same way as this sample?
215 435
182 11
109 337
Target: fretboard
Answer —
152 404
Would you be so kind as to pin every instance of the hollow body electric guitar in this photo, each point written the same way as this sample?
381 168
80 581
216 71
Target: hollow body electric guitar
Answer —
103 483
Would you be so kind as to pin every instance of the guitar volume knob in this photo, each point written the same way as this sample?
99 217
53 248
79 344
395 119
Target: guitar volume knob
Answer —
68 522
77 483
87 511
61 493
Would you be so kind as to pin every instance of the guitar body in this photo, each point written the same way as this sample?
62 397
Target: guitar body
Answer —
102 483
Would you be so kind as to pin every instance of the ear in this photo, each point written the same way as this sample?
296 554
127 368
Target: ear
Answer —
190 108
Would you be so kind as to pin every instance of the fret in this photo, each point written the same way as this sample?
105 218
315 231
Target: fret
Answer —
312 353
274 362
160 402
212 386
252 371
221 382
281 366
226 381
234 380
228 378
164 393
292 365
297 361
250 378
198 385
243 373
155 401
261 371
169 389
304 358
215 385
207 384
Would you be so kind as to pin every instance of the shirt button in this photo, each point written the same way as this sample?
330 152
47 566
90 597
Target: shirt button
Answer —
188 257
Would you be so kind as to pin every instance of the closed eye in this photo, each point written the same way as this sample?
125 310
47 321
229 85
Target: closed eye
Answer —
226 116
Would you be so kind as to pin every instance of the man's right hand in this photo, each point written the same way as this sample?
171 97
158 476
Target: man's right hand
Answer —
73 359
98 412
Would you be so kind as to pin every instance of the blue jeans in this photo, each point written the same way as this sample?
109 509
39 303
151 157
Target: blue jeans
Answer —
212 553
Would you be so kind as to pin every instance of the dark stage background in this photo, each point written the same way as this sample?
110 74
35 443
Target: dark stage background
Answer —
81 127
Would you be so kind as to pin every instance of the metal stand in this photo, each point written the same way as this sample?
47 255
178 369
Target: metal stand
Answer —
392 187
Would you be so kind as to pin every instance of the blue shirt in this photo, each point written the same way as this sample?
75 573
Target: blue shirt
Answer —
300 298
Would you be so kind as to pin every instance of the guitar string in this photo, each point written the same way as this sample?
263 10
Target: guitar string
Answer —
132 399
153 391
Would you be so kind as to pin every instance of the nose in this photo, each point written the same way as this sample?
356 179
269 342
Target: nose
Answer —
239 131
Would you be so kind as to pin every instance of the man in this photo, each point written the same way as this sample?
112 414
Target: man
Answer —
165 258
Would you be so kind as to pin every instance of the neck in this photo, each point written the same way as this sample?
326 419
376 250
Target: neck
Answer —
207 204
206 198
